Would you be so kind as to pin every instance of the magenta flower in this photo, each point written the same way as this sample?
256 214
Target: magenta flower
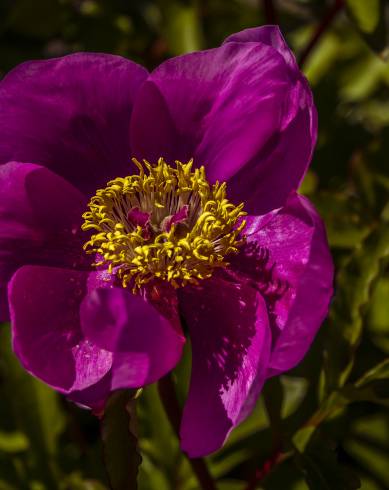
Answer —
98 293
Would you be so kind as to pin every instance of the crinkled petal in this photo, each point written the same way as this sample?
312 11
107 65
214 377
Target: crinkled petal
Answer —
241 110
46 333
40 218
71 114
145 345
228 326
287 259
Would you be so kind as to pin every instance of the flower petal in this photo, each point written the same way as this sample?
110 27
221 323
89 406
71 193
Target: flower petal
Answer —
94 396
228 327
40 217
287 259
271 36
145 344
71 114
241 110
46 333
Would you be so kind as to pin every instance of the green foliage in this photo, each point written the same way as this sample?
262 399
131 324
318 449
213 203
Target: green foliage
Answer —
322 469
371 18
354 286
330 414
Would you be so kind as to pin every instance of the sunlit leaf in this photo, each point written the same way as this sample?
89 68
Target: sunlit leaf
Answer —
353 290
295 390
372 19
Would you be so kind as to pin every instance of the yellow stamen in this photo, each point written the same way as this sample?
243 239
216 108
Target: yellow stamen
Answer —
187 252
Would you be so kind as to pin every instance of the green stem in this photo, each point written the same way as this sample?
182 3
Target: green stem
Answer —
172 408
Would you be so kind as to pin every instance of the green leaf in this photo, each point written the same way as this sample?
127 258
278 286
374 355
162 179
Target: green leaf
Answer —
365 14
295 390
220 467
372 20
151 477
159 432
369 445
322 470
378 308
343 218
353 290
381 371
13 442
367 388
121 455
37 413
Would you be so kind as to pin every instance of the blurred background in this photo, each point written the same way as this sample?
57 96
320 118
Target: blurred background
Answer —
332 411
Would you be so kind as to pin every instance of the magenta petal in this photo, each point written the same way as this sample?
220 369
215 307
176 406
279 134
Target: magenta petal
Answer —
46 333
71 114
228 326
94 396
241 109
145 344
153 133
269 35
40 218
138 218
288 258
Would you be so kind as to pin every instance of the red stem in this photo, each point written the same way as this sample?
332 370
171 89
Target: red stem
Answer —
267 467
320 30
172 408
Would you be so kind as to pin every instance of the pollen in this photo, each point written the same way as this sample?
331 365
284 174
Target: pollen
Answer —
163 223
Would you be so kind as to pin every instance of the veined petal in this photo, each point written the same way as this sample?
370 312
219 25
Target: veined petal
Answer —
230 336
71 114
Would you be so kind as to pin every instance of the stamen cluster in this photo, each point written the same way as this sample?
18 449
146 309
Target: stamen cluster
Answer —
165 223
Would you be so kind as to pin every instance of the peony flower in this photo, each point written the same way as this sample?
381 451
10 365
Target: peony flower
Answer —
108 260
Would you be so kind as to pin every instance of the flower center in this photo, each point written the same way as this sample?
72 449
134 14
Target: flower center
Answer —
165 223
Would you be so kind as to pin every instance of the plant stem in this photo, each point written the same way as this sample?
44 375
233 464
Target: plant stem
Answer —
172 408
261 473
320 30
273 398
270 12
